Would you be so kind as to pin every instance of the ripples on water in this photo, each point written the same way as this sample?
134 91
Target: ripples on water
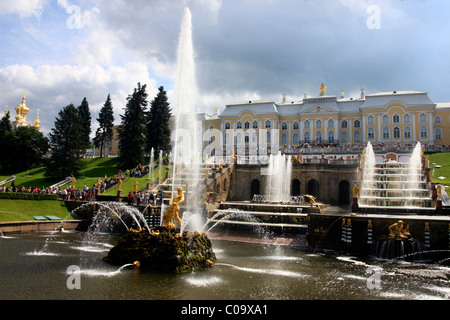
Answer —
35 267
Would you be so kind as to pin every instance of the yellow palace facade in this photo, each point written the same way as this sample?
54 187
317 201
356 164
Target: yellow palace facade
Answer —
389 118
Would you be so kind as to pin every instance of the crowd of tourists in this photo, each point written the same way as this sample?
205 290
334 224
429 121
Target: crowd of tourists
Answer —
144 198
86 193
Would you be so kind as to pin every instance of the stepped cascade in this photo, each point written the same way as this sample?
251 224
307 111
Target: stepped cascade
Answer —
392 184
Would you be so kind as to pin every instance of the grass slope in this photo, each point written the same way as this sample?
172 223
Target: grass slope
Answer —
442 160
24 210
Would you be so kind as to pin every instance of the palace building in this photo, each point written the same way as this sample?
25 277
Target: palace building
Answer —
390 118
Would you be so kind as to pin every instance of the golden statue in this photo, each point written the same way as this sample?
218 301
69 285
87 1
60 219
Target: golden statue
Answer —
355 192
323 90
396 231
73 182
120 184
136 183
312 200
172 210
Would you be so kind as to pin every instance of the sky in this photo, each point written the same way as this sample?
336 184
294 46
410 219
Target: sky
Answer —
61 51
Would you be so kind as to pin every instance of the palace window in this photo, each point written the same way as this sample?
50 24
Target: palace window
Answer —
268 124
370 120
296 126
238 138
247 125
331 137
239 125
319 124
284 138
423 132
438 134
357 136
255 124
319 137
423 118
247 138
396 133
344 137
344 124
284 126
407 133
330 123
295 138
406 118
307 140
437 119
307 125
396 118
227 126
385 133
268 135
371 133
357 123
385 119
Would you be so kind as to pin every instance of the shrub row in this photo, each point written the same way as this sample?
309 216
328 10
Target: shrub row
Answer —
27 196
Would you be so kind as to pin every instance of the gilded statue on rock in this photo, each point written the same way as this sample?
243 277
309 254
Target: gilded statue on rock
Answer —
396 231
173 209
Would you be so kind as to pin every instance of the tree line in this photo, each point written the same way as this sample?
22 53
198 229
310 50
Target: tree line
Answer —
140 131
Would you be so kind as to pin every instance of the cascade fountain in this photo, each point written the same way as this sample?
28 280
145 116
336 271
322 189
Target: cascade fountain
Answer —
394 185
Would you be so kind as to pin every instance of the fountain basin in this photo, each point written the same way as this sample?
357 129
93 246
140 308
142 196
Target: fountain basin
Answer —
161 250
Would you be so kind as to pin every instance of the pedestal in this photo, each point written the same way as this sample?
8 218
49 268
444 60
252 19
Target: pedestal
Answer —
119 195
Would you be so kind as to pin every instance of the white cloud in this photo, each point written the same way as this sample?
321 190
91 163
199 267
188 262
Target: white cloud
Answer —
23 8
52 87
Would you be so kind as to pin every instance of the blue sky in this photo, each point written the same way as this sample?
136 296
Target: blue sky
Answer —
60 51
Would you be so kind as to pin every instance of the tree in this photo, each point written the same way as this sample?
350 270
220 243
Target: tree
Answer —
5 124
26 147
158 130
132 129
85 125
104 134
65 144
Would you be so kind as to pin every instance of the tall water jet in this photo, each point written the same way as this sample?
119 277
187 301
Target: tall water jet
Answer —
368 172
279 172
187 136
415 173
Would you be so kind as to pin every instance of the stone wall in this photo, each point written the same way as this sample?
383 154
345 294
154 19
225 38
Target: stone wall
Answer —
334 182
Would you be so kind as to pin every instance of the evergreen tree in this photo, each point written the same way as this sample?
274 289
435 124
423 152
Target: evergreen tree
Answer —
27 147
5 124
158 131
65 144
85 125
132 129
104 134
5 140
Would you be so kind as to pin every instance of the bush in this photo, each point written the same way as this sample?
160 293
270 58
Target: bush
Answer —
27 196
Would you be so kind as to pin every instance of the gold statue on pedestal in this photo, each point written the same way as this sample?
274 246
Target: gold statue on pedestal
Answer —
396 231
172 211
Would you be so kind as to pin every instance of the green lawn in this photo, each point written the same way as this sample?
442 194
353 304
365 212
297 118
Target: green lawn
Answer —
442 160
24 210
